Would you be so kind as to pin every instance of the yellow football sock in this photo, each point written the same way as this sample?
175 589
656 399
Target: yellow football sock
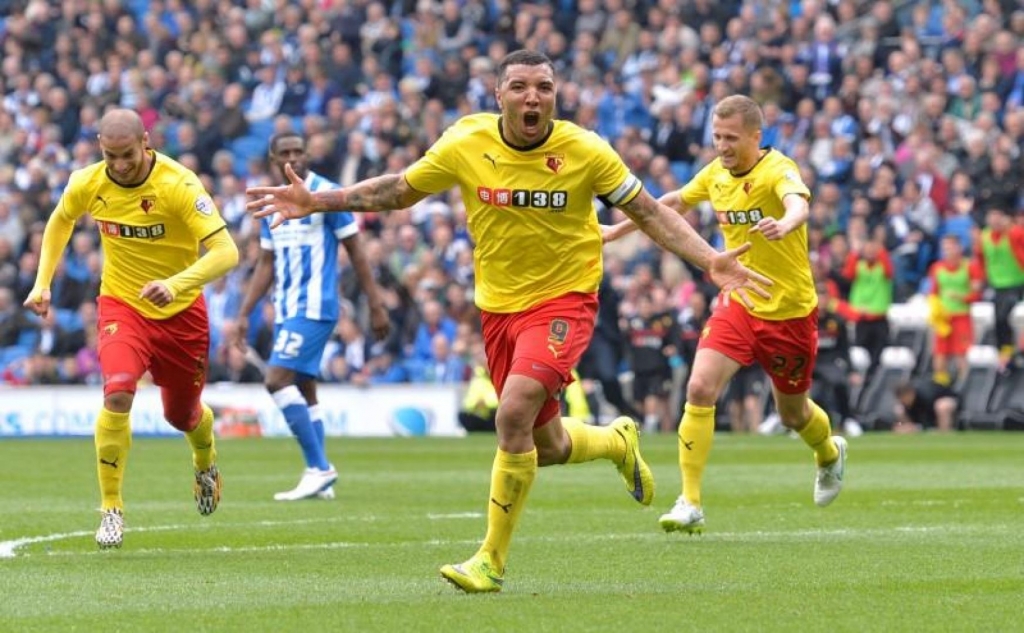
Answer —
511 478
696 433
818 435
593 442
1006 352
204 450
113 439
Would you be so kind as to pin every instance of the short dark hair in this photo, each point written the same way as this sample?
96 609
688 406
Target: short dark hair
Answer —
523 57
905 388
280 136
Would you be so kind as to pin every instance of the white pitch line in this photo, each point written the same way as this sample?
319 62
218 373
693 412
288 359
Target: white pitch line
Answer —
7 548
456 515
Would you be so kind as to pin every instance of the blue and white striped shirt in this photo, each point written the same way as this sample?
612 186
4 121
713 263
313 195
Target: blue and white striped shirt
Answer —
306 260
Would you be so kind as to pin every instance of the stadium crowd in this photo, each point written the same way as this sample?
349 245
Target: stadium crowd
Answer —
906 119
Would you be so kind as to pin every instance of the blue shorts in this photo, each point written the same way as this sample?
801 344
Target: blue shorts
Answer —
299 344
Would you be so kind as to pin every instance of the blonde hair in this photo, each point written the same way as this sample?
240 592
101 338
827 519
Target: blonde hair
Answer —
743 106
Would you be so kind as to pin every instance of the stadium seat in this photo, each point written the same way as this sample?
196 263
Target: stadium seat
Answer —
908 327
983 320
860 358
1006 405
13 354
681 170
976 388
860 361
27 338
1017 321
68 319
139 9
262 129
877 403
245 148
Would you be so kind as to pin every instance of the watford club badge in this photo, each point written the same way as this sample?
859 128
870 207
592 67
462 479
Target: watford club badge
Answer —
555 162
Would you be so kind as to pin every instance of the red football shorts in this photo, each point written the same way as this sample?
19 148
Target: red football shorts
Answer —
959 339
173 351
785 349
544 343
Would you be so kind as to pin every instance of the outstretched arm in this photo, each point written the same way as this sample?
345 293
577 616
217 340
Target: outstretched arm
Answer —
671 200
673 233
383 193
294 200
667 228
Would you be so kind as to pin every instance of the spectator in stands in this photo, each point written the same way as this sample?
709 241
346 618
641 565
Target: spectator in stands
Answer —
443 366
231 116
653 335
480 403
56 340
833 370
924 405
1000 186
15 324
434 321
745 397
267 95
231 364
346 356
602 359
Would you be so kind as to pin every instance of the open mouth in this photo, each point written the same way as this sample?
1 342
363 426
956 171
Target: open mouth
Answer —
531 119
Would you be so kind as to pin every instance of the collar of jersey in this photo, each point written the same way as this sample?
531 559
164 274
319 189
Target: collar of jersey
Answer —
544 139
768 150
152 166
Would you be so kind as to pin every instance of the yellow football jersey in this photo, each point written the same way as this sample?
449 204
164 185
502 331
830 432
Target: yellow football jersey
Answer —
148 232
530 211
739 203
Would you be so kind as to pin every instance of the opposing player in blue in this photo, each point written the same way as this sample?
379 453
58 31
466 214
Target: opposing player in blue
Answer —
301 256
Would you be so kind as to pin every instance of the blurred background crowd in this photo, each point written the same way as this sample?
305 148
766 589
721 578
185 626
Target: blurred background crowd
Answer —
906 118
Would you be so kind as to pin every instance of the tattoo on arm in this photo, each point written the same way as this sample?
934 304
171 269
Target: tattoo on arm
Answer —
383 193
669 229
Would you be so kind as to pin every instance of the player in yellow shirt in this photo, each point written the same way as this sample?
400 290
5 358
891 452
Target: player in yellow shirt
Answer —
758 195
528 183
152 214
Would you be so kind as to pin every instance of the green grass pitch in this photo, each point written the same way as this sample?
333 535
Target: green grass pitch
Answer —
927 536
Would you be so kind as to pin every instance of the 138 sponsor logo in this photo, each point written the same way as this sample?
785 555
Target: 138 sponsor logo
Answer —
556 200
114 229
753 216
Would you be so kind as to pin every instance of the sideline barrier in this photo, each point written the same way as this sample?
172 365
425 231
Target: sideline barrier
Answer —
241 410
